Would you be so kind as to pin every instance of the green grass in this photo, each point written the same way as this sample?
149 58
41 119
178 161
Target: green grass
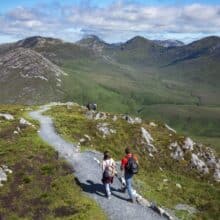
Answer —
94 80
201 122
128 89
200 192
41 185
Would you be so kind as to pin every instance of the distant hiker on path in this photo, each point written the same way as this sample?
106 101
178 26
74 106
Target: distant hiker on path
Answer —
129 164
91 106
109 170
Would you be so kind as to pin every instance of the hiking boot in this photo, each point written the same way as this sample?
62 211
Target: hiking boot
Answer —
131 200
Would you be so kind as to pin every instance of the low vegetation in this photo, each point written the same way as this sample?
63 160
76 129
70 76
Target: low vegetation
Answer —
201 122
161 179
42 185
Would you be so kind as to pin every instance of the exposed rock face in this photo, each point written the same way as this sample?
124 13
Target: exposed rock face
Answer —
85 139
131 120
202 158
217 175
169 43
3 174
178 186
169 128
179 149
94 43
177 153
17 131
115 118
188 144
90 114
105 130
152 124
100 116
199 164
146 135
24 122
37 42
7 116
32 73
96 115
148 140
29 63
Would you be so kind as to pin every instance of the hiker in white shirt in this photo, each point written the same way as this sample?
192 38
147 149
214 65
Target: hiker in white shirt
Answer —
109 170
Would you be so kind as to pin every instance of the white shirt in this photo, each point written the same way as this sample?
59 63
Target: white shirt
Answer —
107 163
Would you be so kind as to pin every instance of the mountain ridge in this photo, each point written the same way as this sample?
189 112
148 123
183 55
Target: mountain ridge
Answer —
131 76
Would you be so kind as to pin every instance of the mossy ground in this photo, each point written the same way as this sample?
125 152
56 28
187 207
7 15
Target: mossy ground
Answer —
42 185
197 191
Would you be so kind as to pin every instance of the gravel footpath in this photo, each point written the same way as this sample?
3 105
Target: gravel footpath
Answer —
88 174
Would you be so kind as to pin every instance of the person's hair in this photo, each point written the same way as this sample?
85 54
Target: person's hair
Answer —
106 155
127 150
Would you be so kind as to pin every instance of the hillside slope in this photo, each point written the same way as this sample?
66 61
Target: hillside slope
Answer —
126 77
187 74
175 171
34 182
27 77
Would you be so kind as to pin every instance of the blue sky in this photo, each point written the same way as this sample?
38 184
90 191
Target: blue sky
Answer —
112 20
9 4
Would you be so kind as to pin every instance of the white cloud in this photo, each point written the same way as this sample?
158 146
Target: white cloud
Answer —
115 22
21 13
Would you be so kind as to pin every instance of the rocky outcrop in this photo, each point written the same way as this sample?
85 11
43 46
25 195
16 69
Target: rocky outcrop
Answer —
188 144
147 141
4 170
217 174
100 116
24 122
152 124
177 152
203 159
37 42
131 120
105 130
6 116
35 76
169 43
199 164
29 64
93 115
170 129
94 43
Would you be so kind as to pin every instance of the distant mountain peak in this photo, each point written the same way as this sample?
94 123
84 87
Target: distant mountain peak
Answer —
137 39
90 39
93 37
37 41
138 42
169 43
92 42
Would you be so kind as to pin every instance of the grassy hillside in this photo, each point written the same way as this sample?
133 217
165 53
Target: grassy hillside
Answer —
41 185
127 78
159 176
141 88
199 121
129 91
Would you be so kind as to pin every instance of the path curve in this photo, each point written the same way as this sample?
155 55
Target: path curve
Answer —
88 173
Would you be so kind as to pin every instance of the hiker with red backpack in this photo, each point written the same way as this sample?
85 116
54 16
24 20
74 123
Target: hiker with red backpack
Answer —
109 170
129 164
